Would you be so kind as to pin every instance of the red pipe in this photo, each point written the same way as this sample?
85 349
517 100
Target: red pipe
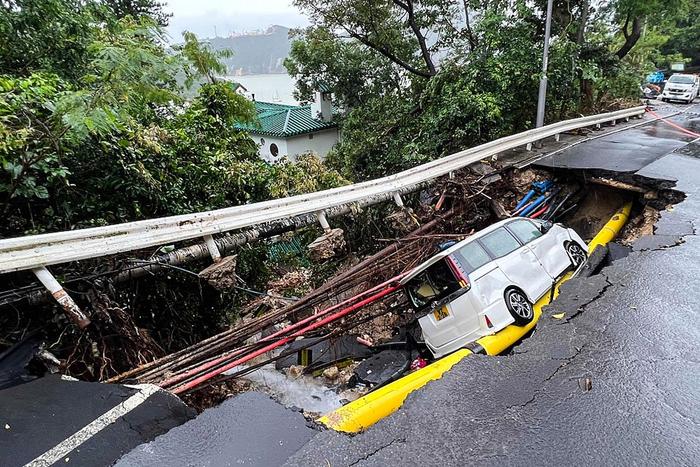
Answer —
521 209
540 212
678 127
197 381
182 376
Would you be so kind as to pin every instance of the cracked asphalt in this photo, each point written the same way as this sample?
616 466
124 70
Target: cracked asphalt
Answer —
615 381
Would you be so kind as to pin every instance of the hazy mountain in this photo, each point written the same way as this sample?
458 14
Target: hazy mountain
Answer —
257 52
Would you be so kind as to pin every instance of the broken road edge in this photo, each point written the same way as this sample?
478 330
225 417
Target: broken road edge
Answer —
369 409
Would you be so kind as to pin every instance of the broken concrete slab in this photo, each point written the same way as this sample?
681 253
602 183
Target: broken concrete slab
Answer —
249 429
82 424
327 245
222 274
655 242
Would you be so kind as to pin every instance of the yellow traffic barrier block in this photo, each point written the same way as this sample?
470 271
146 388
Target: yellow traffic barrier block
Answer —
369 409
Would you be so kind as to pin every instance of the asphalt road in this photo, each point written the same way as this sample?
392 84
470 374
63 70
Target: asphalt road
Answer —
55 420
615 382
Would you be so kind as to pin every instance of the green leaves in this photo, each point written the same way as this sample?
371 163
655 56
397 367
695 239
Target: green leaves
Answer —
200 60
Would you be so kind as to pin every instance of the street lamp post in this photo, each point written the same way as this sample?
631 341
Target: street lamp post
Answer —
542 95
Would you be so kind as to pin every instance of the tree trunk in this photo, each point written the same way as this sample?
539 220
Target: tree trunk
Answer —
631 37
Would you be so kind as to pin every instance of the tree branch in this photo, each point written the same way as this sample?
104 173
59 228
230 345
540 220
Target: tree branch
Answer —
425 53
632 37
470 35
387 53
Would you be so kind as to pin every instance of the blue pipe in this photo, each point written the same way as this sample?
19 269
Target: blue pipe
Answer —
524 200
532 207
537 187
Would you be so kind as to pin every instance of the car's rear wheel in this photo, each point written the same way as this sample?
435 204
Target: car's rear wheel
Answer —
519 307
577 254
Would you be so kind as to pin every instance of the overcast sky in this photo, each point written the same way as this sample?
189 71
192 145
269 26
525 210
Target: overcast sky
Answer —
203 16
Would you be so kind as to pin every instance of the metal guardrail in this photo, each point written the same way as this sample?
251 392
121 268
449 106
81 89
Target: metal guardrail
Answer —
38 251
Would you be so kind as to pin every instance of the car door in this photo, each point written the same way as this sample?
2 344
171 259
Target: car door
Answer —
517 262
549 247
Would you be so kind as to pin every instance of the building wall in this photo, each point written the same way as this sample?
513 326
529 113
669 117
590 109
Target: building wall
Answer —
265 147
320 143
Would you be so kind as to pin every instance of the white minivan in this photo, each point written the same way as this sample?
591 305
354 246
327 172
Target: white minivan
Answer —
490 280
681 87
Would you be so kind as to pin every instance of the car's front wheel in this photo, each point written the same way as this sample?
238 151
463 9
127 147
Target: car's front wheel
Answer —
519 307
577 254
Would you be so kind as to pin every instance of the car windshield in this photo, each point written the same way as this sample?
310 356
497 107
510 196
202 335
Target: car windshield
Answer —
678 79
436 282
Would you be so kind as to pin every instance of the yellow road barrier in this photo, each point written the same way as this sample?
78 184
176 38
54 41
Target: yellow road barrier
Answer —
369 409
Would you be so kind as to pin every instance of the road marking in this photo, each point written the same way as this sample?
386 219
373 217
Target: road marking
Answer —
59 451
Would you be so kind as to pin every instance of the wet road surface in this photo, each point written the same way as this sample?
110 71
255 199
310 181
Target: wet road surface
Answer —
613 382
81 424
250 429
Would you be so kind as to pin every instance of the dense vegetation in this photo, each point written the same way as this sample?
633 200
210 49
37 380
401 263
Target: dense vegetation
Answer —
435 76
94 128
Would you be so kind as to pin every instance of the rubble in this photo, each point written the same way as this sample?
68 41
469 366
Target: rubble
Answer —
327 246
640 226
290 281
403 220
221 275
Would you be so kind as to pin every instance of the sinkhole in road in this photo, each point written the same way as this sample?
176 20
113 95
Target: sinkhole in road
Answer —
590 199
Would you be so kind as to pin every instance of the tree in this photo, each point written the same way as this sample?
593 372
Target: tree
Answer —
138 8
201 60
634 15
398 30
49 35
355 74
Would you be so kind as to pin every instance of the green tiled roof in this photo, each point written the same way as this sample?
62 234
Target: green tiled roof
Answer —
284 120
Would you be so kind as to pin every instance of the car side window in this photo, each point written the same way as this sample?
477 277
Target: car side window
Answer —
472 256
499 242
526 231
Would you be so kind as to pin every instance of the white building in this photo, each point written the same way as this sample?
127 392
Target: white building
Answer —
290 130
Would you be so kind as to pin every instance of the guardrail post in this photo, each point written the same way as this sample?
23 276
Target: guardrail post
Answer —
213 249
321 215
557 137
528 146
398 200
70 308
613 122
597 126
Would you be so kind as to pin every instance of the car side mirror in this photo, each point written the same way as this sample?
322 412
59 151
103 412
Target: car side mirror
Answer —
545 227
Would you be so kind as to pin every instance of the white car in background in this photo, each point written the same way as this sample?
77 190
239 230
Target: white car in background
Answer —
681 87
490 280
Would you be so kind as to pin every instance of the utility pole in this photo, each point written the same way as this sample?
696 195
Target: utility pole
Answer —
545 59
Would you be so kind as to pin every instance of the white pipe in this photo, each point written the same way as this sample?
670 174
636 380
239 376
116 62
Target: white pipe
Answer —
71 309
213 249
323 221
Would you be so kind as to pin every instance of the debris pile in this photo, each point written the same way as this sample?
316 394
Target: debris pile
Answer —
327 246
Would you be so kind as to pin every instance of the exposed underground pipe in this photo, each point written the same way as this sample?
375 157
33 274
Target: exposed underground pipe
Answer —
202 379
281 332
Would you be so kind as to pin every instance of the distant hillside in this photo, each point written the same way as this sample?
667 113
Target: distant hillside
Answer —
256 53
